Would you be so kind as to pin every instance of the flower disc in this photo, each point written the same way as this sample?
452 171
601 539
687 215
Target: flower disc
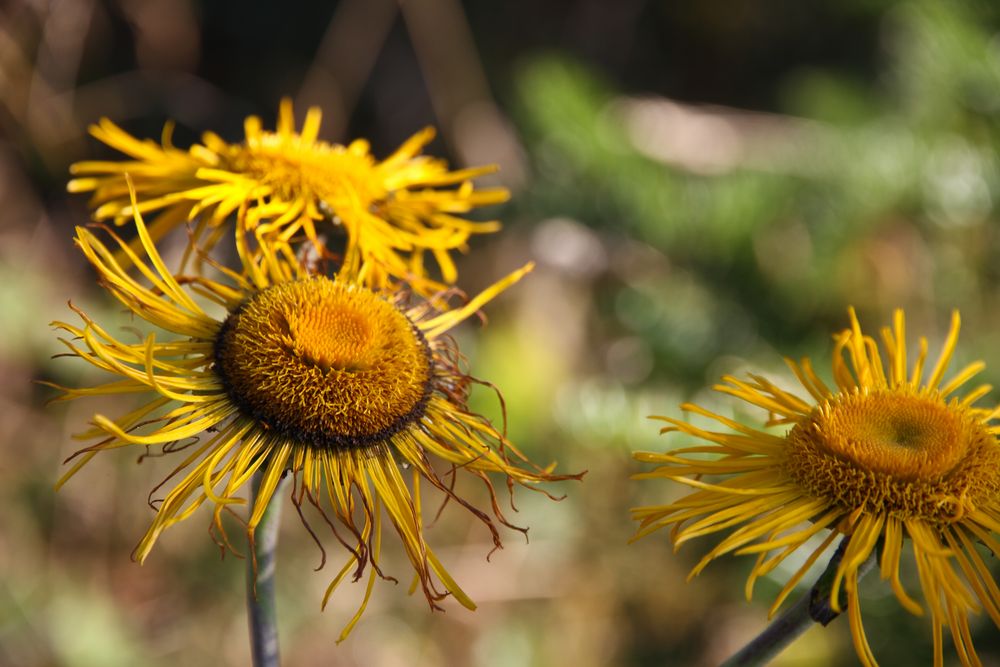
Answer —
909 454
325 364
333 173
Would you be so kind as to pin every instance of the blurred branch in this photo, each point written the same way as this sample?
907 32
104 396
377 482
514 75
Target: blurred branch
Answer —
262 612
345 59
166 32
40 53
813 607
473 124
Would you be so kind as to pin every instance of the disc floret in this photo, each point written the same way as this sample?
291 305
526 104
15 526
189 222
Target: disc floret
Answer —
325 363
911 455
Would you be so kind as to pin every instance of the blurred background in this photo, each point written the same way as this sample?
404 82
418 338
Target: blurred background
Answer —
705 187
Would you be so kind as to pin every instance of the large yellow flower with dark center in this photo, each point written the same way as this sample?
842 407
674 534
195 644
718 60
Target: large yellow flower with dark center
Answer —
327 379
287 182
887 458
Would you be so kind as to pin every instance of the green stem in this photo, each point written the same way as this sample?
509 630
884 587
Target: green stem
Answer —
813 607
780 633
261 609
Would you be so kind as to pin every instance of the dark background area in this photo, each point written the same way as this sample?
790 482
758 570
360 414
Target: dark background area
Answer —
705 186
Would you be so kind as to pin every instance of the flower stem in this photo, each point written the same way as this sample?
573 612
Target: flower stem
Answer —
262 612
813 607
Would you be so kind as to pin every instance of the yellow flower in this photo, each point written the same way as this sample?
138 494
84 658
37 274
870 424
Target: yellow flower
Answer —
392 212
343 386
884 456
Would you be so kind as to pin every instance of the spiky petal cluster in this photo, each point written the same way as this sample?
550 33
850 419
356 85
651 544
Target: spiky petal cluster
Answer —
288 182
892 458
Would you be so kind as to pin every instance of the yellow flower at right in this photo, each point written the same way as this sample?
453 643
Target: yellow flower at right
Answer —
892 458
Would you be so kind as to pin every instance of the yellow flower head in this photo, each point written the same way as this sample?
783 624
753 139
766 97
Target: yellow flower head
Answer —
336 383
888 454
288 182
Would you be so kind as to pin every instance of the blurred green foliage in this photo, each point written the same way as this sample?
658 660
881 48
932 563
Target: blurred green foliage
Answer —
917 153
886 196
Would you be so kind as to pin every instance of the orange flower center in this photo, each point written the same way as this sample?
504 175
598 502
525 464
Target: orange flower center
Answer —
909 454
324 364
